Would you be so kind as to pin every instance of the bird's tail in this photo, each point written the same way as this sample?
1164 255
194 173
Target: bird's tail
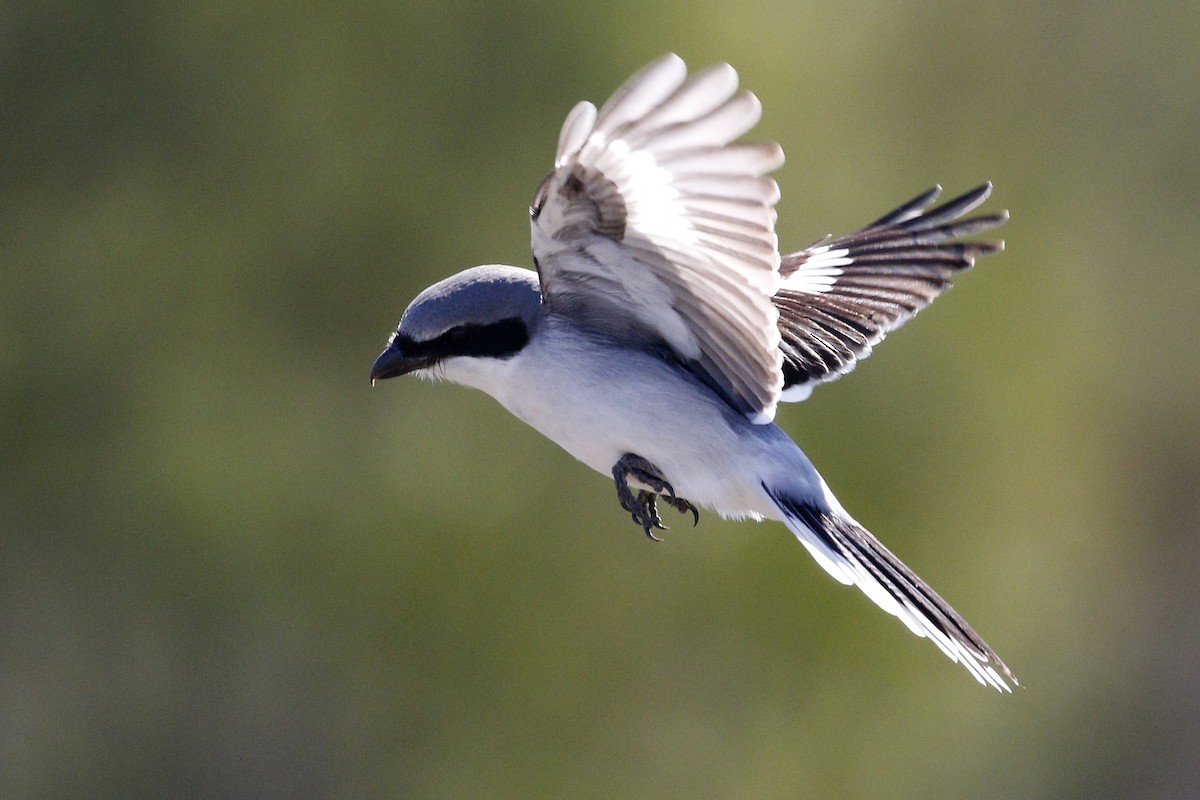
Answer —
852 555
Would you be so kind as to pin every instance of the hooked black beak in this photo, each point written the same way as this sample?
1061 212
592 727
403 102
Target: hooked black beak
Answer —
393 362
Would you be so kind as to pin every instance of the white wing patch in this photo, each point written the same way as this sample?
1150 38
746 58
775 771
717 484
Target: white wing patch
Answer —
648 187
821 270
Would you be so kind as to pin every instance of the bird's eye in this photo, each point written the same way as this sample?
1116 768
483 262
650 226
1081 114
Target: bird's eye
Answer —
457 337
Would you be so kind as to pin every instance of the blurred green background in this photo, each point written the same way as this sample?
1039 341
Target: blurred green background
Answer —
230 569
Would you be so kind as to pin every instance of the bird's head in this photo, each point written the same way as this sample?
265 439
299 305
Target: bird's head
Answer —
464 326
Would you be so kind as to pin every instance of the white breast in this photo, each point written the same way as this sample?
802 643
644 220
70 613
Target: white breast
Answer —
599 402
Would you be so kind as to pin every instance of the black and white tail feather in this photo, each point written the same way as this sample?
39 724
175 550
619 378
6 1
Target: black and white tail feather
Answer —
848 552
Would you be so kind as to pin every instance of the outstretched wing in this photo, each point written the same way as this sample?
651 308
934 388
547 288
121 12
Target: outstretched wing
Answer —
655 225
841 296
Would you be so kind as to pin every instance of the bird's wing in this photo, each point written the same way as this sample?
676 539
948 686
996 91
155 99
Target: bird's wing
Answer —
841 296
655 225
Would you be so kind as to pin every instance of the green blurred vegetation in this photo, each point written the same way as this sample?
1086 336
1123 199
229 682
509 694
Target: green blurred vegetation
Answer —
229 569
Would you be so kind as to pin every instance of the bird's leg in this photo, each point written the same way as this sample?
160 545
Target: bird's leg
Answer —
643 508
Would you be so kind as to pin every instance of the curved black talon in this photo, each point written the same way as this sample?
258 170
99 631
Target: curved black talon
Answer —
683 507
649 514
643 507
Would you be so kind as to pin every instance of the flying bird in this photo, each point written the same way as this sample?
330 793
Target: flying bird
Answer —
662 326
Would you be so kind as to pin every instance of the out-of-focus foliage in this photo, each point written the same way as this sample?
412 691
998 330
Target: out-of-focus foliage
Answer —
229 569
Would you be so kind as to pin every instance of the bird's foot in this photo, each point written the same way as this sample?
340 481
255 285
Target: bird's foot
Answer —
643 507
683 507
646 514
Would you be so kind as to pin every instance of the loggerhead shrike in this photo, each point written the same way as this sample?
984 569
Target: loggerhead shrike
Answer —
662 327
